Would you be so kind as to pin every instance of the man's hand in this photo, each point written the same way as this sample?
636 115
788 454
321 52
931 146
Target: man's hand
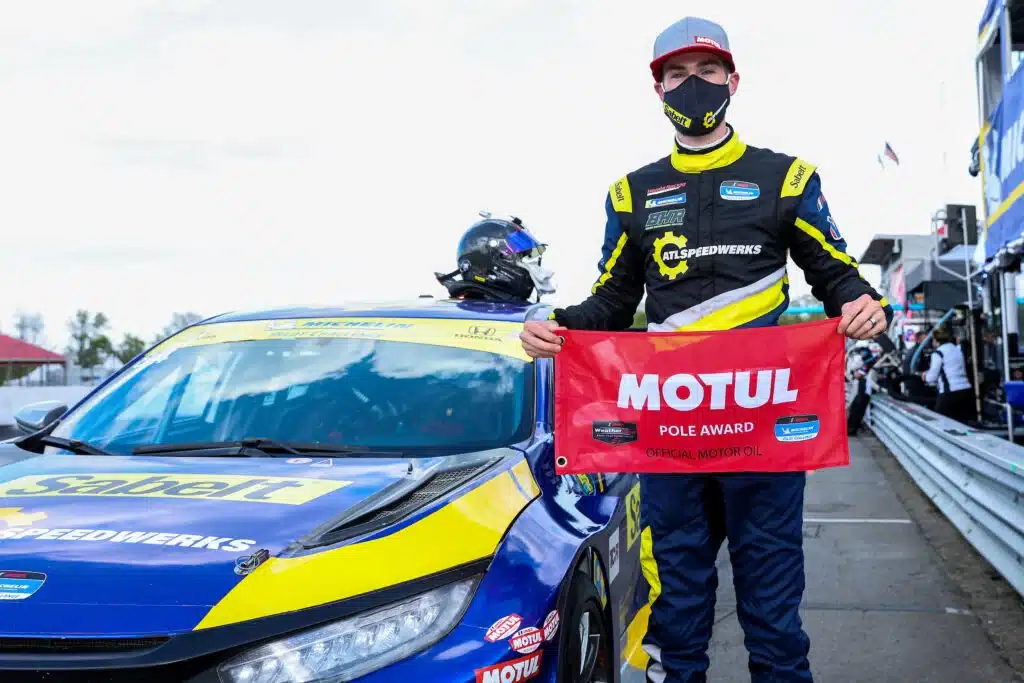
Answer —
863 318
539 339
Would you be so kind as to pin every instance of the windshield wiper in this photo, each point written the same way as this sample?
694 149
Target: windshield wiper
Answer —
244 447
74 445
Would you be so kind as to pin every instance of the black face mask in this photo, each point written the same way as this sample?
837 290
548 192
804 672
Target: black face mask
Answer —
696 106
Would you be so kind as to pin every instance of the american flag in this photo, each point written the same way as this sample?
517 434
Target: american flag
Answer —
891 154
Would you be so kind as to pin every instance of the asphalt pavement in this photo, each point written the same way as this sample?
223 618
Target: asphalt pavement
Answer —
894 592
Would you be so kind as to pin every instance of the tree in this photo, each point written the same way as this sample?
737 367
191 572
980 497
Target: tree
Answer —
89 343
793 318
178 322
29 326
129 347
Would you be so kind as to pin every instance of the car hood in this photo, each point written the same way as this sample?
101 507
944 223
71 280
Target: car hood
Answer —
136 546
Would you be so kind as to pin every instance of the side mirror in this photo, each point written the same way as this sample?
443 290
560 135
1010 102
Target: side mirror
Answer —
36 416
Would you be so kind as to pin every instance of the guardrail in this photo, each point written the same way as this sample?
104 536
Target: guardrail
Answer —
976 479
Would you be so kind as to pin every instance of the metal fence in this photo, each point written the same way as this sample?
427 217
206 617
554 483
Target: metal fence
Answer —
976 479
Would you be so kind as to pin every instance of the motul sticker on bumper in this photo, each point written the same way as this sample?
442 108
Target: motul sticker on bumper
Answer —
512 671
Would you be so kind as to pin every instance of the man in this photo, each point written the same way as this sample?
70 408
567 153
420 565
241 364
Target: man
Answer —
948 370
706 231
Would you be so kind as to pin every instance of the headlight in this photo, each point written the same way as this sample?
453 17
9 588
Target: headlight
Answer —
355 646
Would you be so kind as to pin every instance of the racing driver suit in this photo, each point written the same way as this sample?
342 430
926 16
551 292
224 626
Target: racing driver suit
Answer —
707 233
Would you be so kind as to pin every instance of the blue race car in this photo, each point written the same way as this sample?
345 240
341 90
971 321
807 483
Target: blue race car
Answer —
305 495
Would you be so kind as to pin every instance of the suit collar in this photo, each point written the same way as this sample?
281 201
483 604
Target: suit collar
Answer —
724 153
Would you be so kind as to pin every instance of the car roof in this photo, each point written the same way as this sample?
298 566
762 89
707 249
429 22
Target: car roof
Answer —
464 309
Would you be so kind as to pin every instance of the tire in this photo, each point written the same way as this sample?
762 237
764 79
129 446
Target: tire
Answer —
584 615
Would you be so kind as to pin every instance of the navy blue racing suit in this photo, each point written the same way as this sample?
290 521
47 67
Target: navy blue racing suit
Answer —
707 236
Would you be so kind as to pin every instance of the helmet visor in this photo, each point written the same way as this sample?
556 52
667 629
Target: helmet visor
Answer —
522 243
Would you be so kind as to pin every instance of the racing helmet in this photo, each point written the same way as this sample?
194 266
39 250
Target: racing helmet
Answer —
498 258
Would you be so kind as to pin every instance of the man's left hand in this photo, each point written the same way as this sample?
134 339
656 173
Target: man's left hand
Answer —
862 318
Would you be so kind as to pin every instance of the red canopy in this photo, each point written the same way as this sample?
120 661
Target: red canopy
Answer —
17 351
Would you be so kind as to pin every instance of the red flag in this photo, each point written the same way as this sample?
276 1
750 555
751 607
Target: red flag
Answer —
768 399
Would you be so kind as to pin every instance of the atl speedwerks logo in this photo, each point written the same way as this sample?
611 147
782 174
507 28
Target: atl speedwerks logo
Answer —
672 255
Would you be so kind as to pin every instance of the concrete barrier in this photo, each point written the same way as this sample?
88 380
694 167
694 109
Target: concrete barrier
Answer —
13 398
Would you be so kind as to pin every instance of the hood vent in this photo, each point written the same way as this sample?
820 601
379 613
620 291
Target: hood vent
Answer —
68 646
388 508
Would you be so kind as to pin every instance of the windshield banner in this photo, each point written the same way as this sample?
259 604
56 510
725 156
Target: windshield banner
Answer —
475 335
770 399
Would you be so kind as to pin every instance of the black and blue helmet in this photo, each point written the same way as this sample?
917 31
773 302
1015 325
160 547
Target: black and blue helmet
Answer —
497 258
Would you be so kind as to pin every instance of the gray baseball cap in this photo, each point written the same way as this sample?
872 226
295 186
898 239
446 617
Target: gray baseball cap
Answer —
690 34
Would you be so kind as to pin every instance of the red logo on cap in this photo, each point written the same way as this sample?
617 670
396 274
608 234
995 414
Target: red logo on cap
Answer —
708 41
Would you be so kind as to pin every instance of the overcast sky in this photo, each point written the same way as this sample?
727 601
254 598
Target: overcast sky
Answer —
214 155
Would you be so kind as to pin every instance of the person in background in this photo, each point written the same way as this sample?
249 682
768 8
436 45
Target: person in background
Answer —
948 370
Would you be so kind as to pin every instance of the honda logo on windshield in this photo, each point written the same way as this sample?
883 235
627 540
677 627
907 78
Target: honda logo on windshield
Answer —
479 331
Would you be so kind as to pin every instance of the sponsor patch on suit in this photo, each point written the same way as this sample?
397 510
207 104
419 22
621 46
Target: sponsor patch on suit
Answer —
738 190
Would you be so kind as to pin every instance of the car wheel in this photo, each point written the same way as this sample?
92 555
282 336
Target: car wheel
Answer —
584 646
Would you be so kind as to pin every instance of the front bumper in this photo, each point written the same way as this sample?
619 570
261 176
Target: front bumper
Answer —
193 657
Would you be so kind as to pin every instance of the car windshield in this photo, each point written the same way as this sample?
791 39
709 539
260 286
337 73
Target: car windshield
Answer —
416 386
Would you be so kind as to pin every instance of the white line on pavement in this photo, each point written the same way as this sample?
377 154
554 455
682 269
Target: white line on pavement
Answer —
848 520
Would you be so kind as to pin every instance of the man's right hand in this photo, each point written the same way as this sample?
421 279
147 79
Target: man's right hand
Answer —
539 338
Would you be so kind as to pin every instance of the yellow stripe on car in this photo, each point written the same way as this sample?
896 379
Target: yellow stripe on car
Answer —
466 529
524 476
479 335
